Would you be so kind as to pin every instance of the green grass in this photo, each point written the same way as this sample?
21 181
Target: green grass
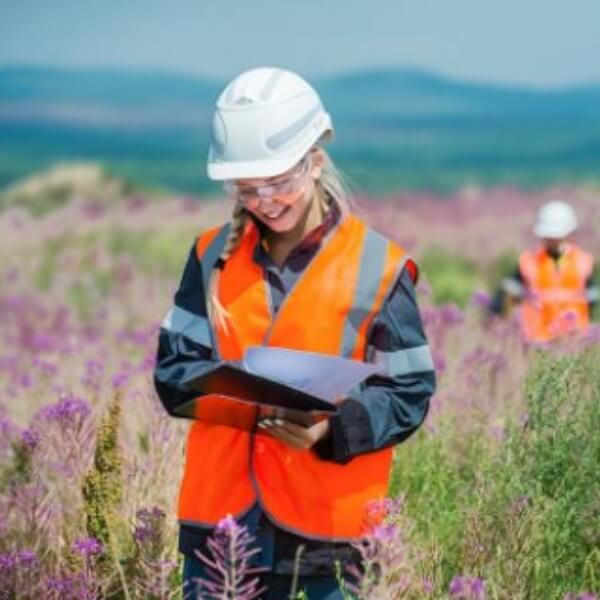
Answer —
452 278
525 517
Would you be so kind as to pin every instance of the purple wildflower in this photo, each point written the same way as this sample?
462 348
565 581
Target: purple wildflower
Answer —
68 411
94 370
25 380
27 558
87 547
439 362
30 438
451 314
385 533
477 586
227 525
47 368
7 561
228 563
467 588
481 300
148 362
149 526
457 586
60 585
120 379
41 342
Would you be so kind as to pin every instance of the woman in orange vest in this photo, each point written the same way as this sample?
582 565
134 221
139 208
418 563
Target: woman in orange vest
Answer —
554 282
294 269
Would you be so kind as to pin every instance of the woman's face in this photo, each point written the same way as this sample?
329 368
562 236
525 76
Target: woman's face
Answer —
280 202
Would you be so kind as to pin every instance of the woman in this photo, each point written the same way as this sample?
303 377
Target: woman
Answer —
294 268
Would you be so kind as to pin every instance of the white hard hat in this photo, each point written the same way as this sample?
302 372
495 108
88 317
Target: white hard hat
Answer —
555 220
266 120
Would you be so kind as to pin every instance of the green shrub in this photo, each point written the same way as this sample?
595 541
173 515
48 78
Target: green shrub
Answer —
452 278
524 516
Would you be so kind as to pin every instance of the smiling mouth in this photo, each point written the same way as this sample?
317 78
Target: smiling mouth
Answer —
275 214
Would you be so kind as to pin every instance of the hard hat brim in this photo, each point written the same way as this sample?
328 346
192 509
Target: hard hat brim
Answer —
256 169
545 232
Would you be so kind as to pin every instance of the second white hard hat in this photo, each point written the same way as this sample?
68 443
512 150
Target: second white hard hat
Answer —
265 121
555 220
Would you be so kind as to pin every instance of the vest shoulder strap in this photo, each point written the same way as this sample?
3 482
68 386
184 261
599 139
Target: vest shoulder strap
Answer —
381 263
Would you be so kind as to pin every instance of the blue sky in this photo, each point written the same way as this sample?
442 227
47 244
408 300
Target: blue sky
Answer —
532 42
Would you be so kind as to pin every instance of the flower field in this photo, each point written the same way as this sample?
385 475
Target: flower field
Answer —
496 497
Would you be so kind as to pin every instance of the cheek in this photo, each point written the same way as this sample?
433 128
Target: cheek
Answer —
301 204
296 211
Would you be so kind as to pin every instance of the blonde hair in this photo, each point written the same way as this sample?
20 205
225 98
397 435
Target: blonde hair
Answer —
331 188
334 185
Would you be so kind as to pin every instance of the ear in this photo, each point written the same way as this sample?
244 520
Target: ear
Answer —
318 160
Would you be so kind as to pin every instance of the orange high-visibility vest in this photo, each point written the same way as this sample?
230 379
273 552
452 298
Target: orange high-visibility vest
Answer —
555 303
329 310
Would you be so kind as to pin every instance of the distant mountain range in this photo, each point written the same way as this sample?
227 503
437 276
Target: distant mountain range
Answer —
394 127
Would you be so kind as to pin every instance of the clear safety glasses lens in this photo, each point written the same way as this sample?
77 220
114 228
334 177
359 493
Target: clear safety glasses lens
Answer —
282 187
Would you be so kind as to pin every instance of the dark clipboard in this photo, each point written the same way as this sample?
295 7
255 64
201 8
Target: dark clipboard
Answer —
236 398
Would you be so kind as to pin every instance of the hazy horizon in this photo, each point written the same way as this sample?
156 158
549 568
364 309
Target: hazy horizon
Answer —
183 74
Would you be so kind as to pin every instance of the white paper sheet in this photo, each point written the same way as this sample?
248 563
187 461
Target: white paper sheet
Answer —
328 377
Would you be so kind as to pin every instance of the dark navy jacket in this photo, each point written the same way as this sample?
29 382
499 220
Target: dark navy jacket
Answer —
384 412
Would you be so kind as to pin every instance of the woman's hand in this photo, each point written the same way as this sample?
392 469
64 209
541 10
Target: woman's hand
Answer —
296 436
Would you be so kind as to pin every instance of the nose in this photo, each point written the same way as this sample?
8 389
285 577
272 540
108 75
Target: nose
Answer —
266 203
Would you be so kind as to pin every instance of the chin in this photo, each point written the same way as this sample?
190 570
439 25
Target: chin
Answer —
282 225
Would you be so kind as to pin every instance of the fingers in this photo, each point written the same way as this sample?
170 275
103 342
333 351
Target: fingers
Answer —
289 433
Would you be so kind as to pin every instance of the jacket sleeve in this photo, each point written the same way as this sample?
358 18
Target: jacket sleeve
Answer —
592 292
510 287
387 409
185 348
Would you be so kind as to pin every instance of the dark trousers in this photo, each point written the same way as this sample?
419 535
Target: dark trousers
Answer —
316 587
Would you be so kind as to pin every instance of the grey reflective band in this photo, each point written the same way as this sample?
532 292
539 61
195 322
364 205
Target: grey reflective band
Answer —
406 362
212 253
592 294
278 140
369 278
195 327
512 286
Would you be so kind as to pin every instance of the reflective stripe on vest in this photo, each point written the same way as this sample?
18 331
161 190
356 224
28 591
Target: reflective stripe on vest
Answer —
329 310
555 303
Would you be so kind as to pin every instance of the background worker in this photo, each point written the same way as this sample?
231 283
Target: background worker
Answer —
554 282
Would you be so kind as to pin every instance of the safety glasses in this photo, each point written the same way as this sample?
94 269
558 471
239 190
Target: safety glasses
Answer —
291 182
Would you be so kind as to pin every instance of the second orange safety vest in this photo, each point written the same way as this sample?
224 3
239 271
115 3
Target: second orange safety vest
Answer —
329 310
555 300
